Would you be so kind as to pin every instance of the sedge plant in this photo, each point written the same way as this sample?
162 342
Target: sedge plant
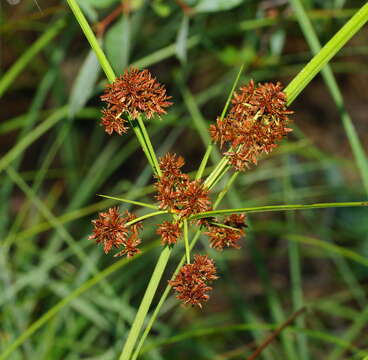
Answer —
254 121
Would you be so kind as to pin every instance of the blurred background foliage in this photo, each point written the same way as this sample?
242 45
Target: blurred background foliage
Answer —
56 158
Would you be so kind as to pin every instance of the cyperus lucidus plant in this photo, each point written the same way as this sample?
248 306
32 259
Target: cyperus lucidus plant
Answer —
292 91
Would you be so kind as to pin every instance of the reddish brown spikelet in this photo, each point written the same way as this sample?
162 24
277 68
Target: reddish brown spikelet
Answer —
132 94
194 199
110 229
171 164
191 281
257 121
221 237
177 192
169 232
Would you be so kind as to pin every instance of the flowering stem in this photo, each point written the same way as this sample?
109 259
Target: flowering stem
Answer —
224 226
277 208
92 40
204 161
145 304
149 146
130 201
186 240
213 178
147 216
225 189
138 132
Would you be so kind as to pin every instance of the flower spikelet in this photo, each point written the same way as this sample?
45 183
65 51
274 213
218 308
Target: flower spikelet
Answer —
256 122
177 192
132 94
229 235
191 283
169 232
110 230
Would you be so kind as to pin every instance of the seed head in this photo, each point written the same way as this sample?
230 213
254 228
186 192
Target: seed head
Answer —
177 192
132 94
110 229
256 122
191 281
221 237
169 232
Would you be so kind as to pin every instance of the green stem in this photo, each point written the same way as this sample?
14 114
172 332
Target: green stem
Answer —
328 76
225 189
149 146
130 201
326 53
204 161
277 208
92 40
145 304
147 216
186 240
224 226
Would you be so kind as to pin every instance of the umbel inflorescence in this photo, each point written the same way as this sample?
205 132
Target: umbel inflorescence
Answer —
256 122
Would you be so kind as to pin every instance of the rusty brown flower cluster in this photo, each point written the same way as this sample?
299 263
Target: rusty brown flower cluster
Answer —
111 230
256 122
132 94
228 235
191 283
169 231
176 192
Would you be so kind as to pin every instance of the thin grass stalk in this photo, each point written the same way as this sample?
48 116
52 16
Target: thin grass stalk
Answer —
32 136
139 203
226 188
186 240
149 146
268 208
295 264
147 216
204 161
9 77
145 304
